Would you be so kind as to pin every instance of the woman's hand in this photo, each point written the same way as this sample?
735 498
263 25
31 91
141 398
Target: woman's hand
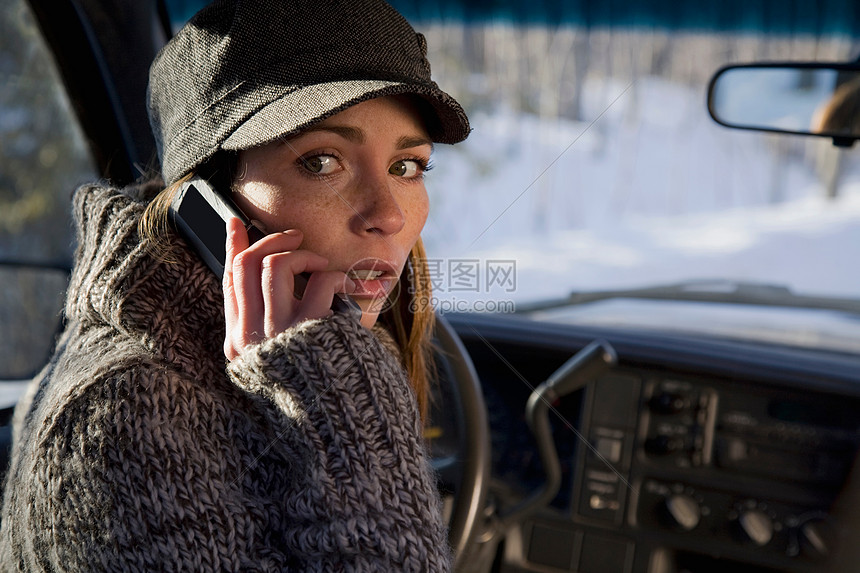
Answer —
259 282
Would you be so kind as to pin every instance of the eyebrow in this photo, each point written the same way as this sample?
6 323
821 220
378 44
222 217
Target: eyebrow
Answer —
353 134
357 135
406 142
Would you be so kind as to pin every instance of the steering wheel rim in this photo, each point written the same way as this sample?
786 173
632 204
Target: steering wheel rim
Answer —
473 452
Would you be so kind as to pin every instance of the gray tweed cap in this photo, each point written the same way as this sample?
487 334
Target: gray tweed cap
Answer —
242 73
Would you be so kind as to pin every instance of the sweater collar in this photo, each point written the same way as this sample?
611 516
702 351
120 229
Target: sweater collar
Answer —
119 279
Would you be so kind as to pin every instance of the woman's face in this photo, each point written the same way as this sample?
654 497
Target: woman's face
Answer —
353 184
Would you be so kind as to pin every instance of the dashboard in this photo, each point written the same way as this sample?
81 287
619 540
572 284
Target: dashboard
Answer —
691 455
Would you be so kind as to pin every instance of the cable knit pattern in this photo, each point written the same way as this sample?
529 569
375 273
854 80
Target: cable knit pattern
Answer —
139 449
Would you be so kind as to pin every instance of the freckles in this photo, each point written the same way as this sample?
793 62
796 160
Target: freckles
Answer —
416 218
323 208
417 213
422 209
317 212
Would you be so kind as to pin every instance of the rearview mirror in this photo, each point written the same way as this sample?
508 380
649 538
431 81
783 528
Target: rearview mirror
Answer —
820 99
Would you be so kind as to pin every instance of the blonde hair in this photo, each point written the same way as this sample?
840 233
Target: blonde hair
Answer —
409 319
841 113
154 224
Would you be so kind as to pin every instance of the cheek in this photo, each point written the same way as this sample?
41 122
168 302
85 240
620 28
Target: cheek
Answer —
416 210
282 207
257 201
314 210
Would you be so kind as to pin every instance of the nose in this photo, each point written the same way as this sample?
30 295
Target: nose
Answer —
377 210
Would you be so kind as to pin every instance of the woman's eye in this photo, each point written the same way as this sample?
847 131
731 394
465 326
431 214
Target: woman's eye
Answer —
407 168
320 164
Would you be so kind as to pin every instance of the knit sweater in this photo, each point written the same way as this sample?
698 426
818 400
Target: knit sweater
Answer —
139 448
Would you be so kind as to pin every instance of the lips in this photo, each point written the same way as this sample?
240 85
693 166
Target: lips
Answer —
364 274
373 278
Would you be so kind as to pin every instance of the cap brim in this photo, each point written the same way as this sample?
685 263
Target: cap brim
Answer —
307 105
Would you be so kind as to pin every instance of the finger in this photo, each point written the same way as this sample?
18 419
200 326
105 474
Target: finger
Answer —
277 242
250 324
320 291
237 241
279 286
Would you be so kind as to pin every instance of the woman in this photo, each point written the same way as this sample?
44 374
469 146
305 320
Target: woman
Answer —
186 424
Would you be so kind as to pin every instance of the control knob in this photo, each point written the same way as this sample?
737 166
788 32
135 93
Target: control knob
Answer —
756 526
683 511
813 538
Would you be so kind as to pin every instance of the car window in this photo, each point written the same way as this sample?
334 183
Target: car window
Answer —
43 157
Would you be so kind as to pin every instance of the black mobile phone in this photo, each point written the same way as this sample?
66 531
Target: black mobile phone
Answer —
201 213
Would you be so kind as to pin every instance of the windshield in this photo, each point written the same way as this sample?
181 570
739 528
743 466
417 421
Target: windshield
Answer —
593 164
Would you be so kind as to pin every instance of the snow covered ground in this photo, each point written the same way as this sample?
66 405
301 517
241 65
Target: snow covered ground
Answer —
649 191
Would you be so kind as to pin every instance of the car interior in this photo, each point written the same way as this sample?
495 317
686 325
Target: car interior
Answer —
561 444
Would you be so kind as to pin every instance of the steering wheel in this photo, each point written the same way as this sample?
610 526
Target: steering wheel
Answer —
459 438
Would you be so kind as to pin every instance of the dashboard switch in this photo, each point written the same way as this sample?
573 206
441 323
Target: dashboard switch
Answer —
609 449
